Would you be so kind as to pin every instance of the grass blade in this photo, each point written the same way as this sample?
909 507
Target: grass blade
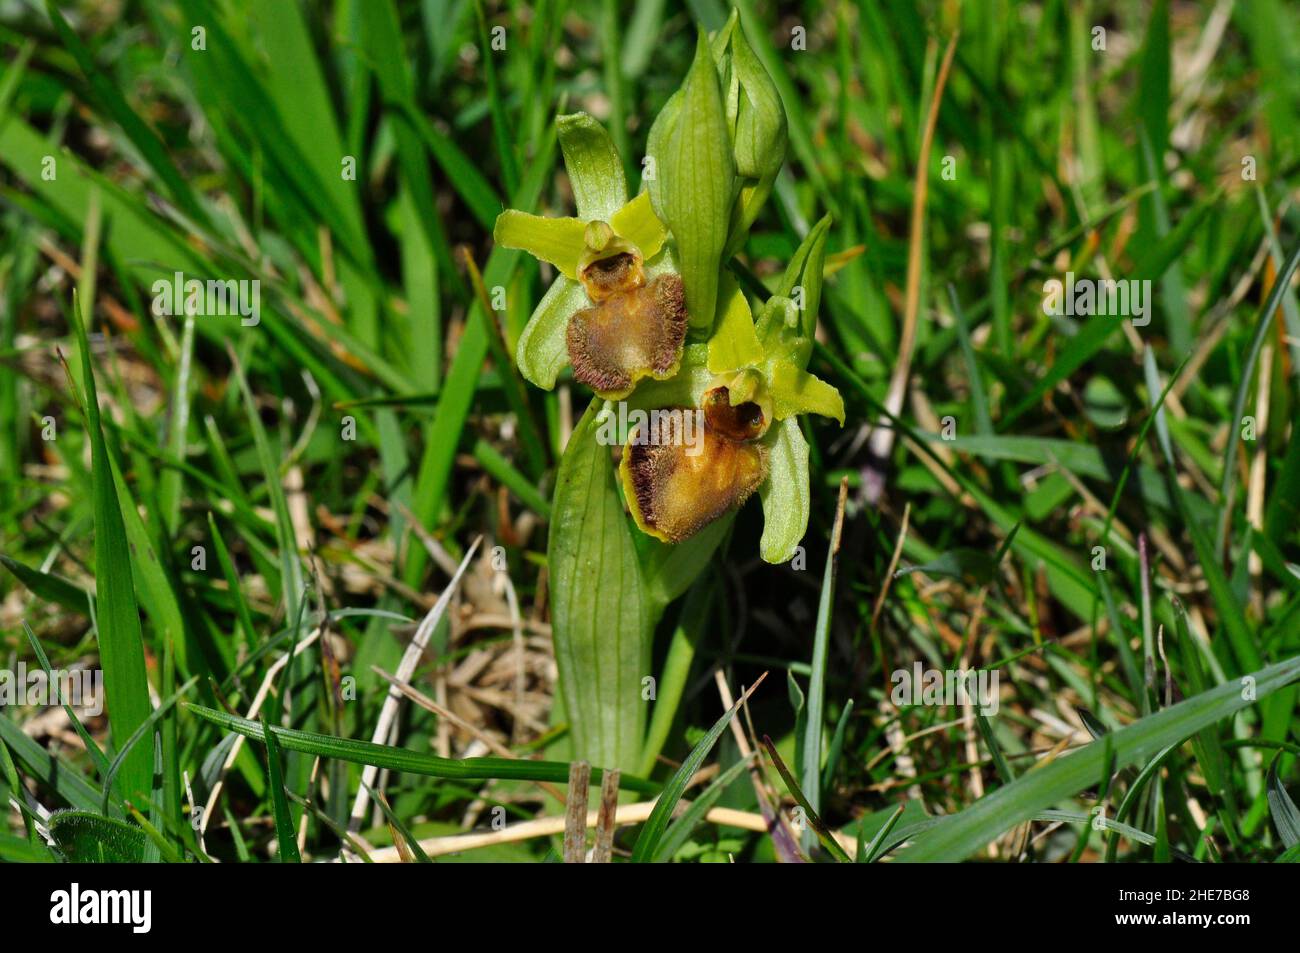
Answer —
410 762
960 835
121 641
652 832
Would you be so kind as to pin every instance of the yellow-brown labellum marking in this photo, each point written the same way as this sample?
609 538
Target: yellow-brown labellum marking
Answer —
634 328
674 490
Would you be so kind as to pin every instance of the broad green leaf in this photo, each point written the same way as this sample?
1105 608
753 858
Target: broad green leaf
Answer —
595 172
960 835
784 492
557 240
543 349
86 838
661 131
698 184
601 612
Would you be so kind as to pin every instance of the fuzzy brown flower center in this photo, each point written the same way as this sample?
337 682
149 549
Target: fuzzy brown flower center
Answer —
633 329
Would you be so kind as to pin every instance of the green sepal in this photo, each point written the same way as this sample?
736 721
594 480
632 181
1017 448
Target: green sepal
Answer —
595 170
557 240
543 348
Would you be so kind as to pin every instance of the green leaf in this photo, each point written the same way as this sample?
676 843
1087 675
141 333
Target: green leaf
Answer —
543 349
601 612
1263 325
51 771
121 641
115 104
124 752
669 569
284 834
595 171
92 748
461 386
647 843
86 838
409 762
1286 816
1086 342
811 768
681 828
960 835
698 184
48 586
657 139
973 565
784 492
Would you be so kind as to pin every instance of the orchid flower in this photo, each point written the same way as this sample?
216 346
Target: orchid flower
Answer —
617 311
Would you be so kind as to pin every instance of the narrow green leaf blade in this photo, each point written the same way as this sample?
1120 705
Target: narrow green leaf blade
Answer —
121 641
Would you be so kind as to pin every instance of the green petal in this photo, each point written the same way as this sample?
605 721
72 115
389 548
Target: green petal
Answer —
543 350
785 493
795 391
734 343
637 223
595 171
557 240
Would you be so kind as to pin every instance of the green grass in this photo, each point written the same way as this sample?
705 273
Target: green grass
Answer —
192 499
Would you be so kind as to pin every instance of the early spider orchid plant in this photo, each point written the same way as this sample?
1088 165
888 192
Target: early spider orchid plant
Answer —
645 311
